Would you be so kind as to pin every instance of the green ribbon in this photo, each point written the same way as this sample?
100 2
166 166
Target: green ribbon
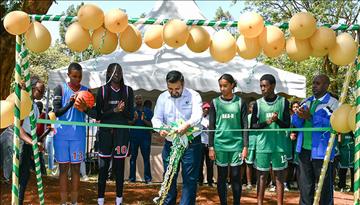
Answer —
90 124
179 145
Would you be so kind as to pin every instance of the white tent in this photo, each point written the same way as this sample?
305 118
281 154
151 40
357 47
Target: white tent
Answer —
145 70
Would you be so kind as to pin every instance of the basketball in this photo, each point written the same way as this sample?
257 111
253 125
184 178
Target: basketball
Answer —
88 98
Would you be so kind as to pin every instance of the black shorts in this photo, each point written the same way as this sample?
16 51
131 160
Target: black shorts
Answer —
114 142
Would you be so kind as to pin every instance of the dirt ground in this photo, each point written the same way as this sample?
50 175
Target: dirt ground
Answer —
142 194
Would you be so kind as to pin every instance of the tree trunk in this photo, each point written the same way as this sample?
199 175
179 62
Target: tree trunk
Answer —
7 43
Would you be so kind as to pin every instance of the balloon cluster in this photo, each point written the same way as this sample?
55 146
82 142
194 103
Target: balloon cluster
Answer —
7 108
110 29
308 40
342 119
37 37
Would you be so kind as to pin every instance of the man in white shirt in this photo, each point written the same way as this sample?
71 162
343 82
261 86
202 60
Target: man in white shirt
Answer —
174 104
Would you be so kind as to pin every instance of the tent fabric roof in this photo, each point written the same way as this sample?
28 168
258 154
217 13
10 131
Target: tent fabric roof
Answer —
146 69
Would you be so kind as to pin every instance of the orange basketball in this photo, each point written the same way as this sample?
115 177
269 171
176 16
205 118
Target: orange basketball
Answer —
87 97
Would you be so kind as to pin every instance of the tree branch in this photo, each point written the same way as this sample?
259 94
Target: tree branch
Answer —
294 4
356 16
281 7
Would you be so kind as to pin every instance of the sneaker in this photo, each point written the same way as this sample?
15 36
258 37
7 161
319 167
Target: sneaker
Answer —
148 182
249 187
56 171
130 182
286 188
272 188
210 184
85 178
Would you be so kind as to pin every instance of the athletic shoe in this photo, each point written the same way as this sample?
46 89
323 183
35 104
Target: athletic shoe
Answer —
272 188
249 187
85 178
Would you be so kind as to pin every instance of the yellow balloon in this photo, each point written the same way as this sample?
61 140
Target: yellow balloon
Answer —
26 103
175 33
90 16
345 50
339 119
352 119
104 41
16 22
248 48
302 25
250 24
272 40
298 50
153 36
52 116
77 38
223 46
7 113
130 40
116 21
323 39
37 38
199 39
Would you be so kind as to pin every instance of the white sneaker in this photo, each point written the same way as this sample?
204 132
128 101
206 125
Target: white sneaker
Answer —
272 188
85 178
249 187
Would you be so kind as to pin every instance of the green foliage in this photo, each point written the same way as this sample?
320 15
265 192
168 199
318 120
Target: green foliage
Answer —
326 11
42 63
53 58
10 5
220 14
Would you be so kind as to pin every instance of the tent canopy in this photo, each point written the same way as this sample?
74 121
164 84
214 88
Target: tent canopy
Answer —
145 70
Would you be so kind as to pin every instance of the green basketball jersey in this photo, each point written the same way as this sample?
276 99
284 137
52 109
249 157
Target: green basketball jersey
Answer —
228 116
252 136
270 141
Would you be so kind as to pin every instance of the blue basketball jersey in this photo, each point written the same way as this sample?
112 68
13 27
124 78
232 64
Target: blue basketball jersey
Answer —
71 132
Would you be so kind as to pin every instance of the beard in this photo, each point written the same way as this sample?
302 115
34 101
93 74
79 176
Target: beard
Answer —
175 95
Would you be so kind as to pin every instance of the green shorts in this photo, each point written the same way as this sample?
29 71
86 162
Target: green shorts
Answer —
346 159
250 157
276 160
224 159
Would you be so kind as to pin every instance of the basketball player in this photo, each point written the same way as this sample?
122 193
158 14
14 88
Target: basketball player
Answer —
69 141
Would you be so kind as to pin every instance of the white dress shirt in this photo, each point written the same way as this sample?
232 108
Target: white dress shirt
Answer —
186 107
